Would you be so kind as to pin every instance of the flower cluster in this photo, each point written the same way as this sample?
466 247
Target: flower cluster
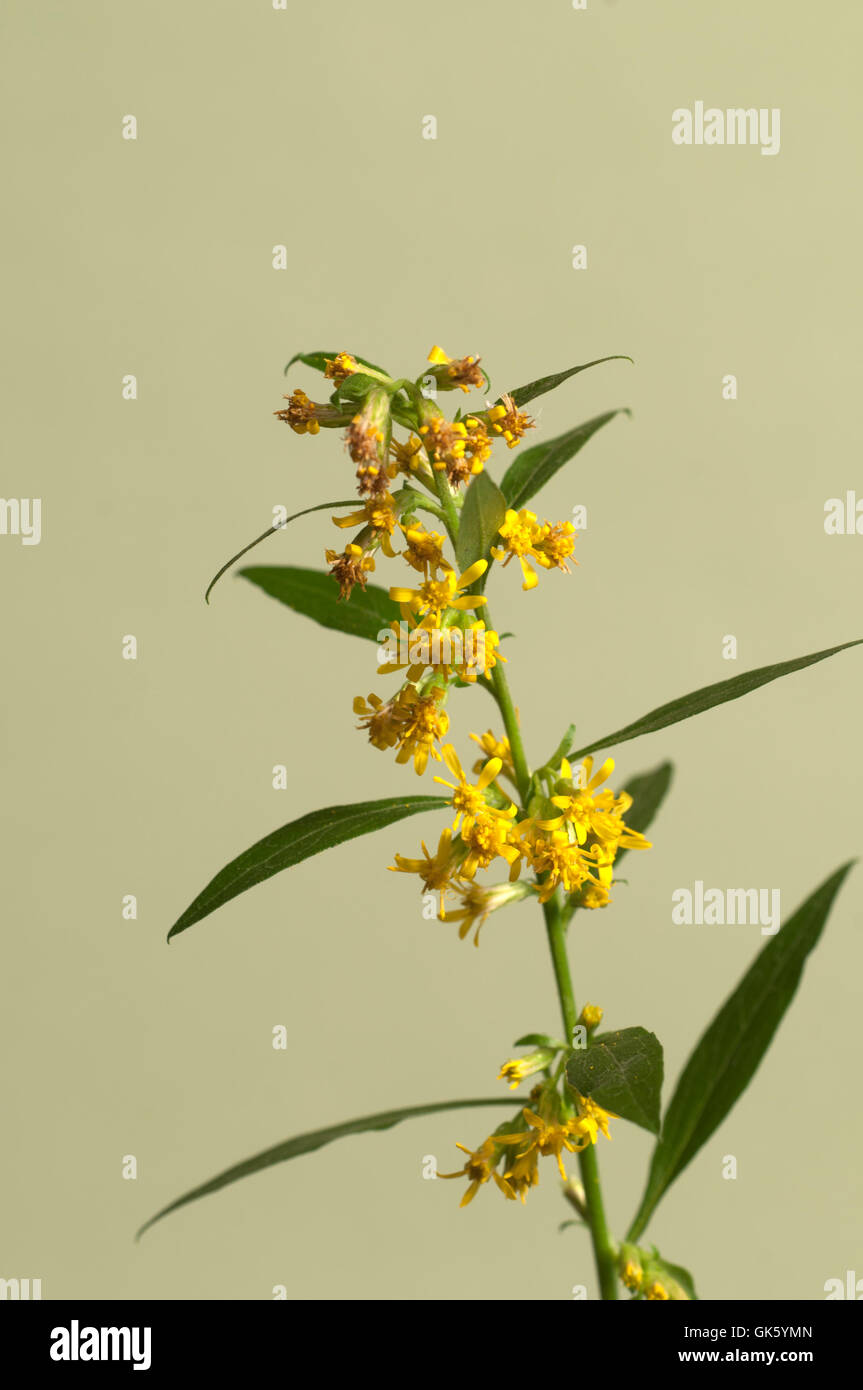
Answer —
562 837
552 834
547 1128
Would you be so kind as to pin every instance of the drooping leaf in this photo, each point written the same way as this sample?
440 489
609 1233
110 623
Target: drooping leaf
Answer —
300 839
622 1072
481 518
533 468
523 394
728 1054
708 696
366 613
271 531
316 1139
319 360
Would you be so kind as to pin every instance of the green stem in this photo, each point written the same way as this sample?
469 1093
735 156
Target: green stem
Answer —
444 492
604 1248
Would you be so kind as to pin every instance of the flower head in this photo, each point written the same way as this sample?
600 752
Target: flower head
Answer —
350 566
455 373
480 1166
506 420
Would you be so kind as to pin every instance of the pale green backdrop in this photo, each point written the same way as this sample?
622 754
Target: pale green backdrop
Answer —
258 127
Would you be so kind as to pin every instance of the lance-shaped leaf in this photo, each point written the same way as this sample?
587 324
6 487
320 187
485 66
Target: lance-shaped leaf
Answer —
316 596
316 1139
729 1052
271 531
318 360
523 394
622 1072
299 840
532 469
481 518
708 696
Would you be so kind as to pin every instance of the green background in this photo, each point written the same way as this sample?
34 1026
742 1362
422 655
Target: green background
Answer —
258 127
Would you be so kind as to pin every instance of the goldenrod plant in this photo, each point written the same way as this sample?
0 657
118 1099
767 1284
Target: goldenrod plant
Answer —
430 515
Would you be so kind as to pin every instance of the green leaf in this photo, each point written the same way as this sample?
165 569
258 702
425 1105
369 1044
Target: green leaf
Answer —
354 388
707 697
481 518
316 596
316 1139
271 531
727 1056
522 394
622 1072
648 793
539 1040
299 840
533 468
319 360
677 1272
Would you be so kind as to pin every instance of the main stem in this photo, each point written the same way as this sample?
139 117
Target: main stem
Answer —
604 1249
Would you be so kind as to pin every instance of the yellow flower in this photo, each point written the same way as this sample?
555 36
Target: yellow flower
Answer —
301 413
590 1016
480 1166
384 721
478 902
520 531
486 642
434 596
631 1276
494 748
517 1069
461 372
508 421
488 838
657 1292
340 368
549 1137
406 455
378 513
349 567
424 549
424 724
553 853
555 545
590 1121
595 815
437 870
469 801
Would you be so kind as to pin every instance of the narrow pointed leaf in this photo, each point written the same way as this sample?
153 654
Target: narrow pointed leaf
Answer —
523 394
316 596
299 840
533 468
708 696
622 1072
316 1139
481 518
271 531
728 1054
